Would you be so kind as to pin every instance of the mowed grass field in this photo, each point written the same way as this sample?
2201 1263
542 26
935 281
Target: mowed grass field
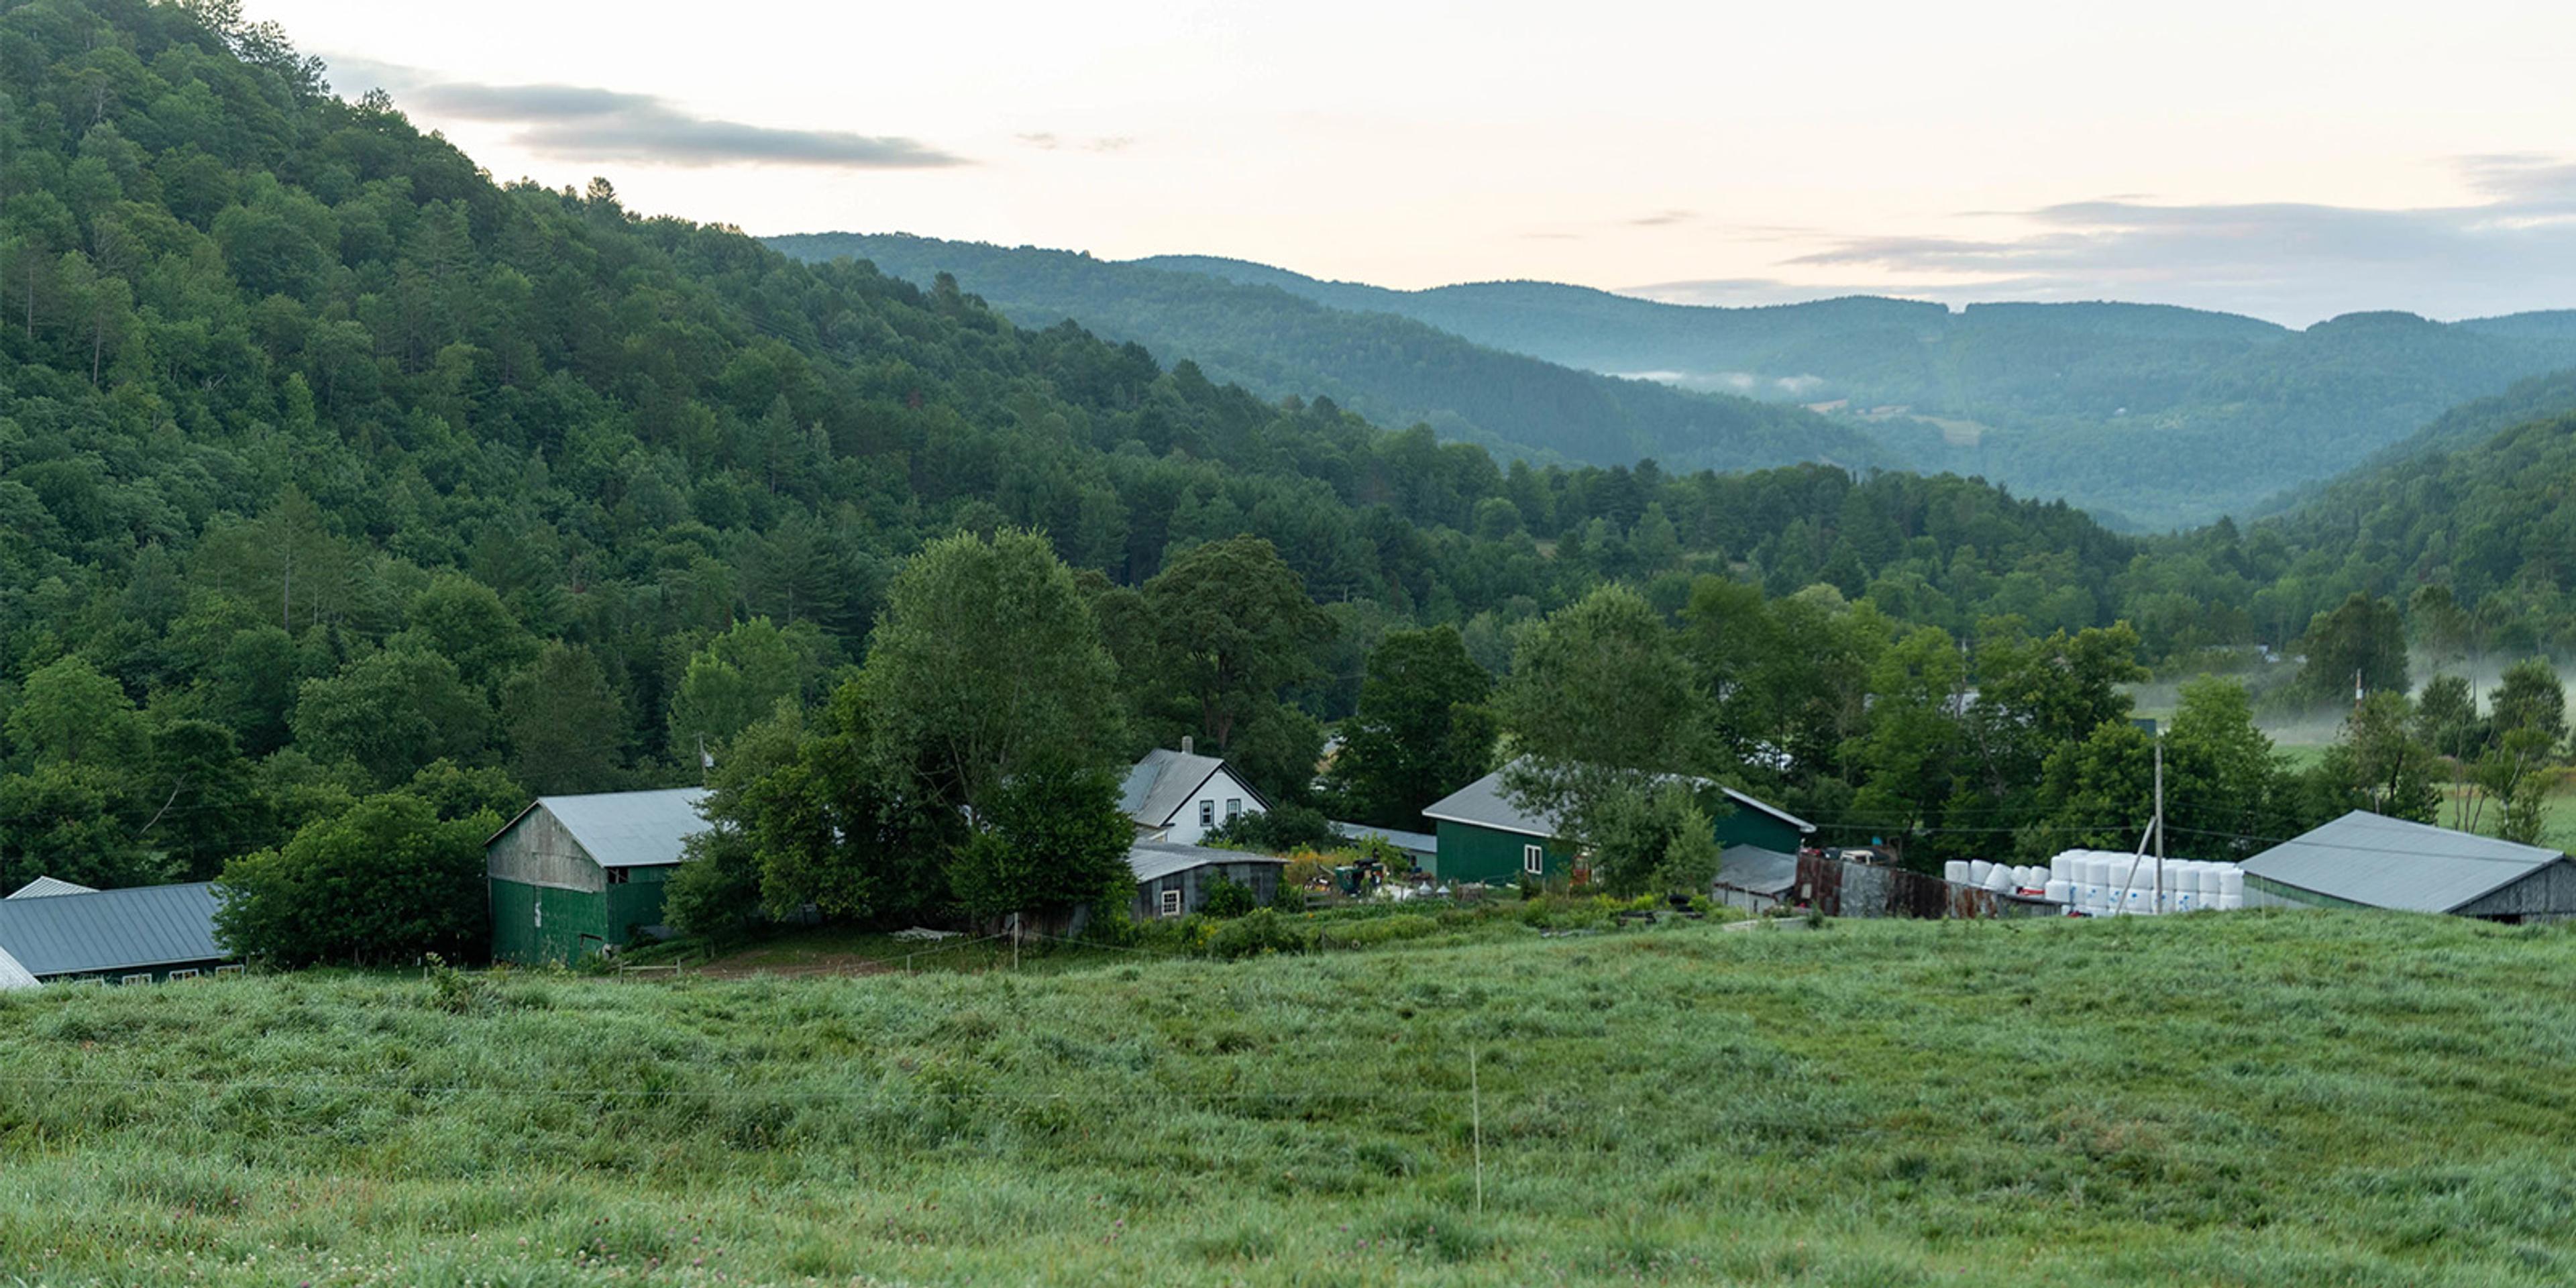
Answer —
2241 1098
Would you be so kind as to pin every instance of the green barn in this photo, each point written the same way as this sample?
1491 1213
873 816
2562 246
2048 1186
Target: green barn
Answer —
1484 837
573 875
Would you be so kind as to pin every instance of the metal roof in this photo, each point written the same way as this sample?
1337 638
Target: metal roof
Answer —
2387 862
44 887
106 931
13 975
1409 842
1150 860
1165 780
1482 804
625 829
1760 871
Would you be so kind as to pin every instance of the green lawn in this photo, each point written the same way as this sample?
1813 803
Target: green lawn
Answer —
2249 1098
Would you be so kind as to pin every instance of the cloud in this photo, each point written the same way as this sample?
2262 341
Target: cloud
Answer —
1046 141
1663 218
2512 250
584 123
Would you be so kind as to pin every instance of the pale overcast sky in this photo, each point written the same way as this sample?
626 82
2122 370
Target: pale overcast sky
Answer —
2288 160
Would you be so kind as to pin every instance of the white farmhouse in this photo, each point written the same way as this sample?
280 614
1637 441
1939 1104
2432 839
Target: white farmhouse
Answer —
1181 796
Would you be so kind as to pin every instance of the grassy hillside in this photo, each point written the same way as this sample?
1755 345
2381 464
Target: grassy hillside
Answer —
2166 416
2254 1099
1391 369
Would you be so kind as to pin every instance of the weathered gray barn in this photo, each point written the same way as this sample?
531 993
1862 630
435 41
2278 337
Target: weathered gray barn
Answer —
132 936
2366 860
1173 879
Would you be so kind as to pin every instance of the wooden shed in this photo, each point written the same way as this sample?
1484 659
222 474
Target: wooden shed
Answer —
574 875
1173 879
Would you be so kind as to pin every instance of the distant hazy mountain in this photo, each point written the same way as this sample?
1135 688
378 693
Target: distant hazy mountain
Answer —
2163 416
1391 369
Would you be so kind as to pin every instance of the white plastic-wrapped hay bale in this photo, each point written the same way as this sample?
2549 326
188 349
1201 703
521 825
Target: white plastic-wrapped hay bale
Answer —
1955 871
2058 890
1978 871
1999 879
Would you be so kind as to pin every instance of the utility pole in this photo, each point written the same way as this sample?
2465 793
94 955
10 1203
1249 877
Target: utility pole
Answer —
2160 822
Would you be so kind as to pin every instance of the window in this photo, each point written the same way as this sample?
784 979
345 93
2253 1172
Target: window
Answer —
1233 808
617 876
1207 813
1171 905
144 978
177 975
1534 860
228 970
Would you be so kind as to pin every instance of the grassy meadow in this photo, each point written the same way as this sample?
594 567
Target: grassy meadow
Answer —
2244 1098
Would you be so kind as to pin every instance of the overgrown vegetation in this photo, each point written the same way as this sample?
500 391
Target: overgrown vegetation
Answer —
2292 1100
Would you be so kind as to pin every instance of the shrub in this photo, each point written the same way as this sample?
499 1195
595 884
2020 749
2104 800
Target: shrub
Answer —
1228 898
1281 830
1261 931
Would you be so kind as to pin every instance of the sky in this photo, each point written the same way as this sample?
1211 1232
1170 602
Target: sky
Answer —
2291 161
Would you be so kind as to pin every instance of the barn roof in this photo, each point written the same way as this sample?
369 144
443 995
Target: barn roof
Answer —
1152 860
1483 804
2384 862
13 975
625 829
44 887
105 931
1165 780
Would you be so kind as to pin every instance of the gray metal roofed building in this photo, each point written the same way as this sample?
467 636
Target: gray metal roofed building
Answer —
574 875
1182 796
125 936
1753 878
1173 879
1421 847
45 887
2366 860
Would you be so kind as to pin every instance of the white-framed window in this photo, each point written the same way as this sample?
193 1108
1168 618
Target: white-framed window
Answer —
1207 813
1534 860
1171 906
1233 808
228 970
144 978
183 974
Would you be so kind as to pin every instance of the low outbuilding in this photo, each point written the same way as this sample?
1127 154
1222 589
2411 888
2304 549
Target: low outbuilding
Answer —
1421 847
573 876
1174 879
2366 860
1753 878
139 935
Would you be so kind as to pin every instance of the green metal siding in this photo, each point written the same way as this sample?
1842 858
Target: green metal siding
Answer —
575 923
1472 853
1753 827
1483 854
637 903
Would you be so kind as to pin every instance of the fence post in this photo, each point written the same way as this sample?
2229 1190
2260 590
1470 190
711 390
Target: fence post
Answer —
1476 1118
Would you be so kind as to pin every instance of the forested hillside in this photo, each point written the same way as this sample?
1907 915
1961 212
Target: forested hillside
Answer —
2483 529
1392 370
2161 416
332 468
